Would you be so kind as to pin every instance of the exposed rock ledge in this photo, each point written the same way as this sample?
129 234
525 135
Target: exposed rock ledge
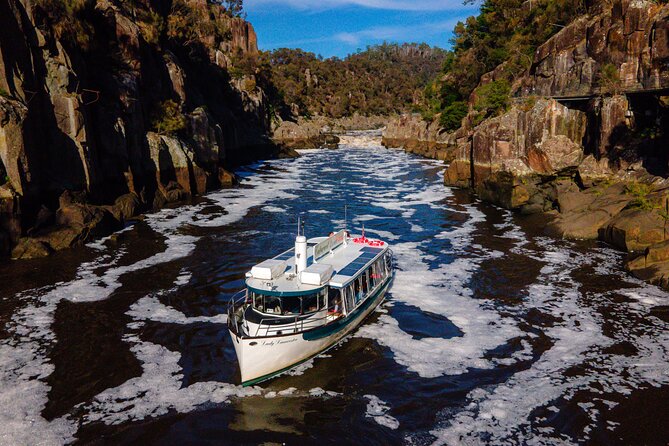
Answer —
321 132
414 135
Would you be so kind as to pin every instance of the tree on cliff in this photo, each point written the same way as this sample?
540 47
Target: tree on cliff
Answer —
503 37
234 8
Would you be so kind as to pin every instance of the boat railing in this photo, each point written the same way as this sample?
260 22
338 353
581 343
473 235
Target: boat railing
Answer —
297 322
237 302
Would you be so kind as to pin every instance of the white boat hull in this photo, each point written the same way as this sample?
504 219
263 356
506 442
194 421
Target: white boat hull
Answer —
261 358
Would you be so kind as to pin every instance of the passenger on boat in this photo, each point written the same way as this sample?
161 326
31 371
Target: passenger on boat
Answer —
335 310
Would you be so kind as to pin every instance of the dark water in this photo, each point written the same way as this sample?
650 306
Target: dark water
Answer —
492 332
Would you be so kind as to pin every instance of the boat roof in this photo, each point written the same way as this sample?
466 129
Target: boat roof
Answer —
346 261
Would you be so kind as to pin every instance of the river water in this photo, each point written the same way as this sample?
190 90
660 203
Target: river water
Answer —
491 333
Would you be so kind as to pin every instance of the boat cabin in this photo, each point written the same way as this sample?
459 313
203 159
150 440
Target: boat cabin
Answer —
317 282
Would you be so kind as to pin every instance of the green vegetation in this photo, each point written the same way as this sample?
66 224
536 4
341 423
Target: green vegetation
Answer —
492 98
451 117
640 193
234 8
503 37
609 79
167 118
67 18
380 80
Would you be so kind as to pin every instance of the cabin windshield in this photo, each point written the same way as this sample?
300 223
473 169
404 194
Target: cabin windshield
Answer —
288 305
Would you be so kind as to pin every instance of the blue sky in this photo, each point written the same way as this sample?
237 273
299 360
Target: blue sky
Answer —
340 27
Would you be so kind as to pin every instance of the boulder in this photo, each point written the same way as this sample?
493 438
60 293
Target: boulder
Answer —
77 223
125 207
458 174
635 230
226 179
30 248
592 171
584 214
653 265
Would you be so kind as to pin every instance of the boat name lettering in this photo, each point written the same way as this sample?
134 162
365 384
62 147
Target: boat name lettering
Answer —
329 244
278 341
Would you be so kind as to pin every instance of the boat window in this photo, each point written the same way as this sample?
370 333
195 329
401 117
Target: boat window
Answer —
334 294
334 300
365 282
310 303
389 266
375 275
349 298
257 300
272 304
357 289
291 305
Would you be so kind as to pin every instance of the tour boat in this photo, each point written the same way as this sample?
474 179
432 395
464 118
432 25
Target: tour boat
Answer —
303 301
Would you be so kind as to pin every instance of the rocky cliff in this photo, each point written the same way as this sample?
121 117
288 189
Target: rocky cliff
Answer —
108 107
415 135
583 138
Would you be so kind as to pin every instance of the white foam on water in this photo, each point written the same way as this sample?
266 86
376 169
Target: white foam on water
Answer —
378 411
150 308
274 209
442 290
385 235
23 395
287 392
99 245
503 412
318 392
24 365
158 390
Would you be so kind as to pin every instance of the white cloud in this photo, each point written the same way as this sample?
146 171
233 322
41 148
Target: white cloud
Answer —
397 33
397 5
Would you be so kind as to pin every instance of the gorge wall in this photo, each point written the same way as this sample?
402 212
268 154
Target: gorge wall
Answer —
585 136
109 108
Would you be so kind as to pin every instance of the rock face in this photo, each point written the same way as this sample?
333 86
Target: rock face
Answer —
520 143
632 35
305 134
578 151
414 135
106 103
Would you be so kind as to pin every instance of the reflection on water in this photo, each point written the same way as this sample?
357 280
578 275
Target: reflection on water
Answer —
492 333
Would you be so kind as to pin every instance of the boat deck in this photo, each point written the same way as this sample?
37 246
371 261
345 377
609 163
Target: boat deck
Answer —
346 261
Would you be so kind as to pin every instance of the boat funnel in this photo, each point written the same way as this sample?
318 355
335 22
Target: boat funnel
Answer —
300 253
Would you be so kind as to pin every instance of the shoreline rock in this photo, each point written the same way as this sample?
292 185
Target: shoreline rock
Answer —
321 132
411 133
